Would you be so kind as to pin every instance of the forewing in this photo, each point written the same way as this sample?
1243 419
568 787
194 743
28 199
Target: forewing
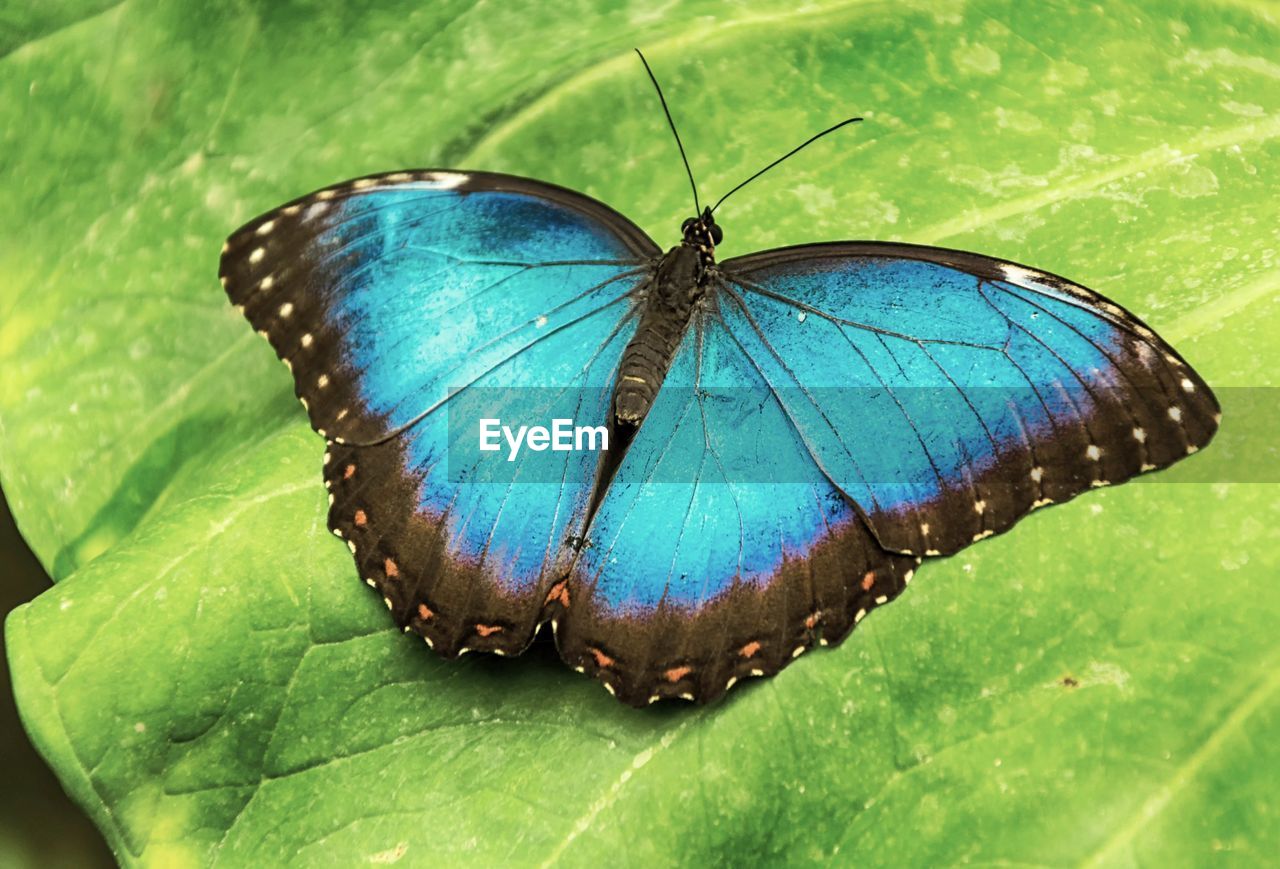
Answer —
384 292
948 394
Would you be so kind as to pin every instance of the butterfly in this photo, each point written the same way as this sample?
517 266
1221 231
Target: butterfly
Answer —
790 432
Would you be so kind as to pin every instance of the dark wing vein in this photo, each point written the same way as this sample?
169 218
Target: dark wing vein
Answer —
537 340
1107 355
795 427
893 395
760 290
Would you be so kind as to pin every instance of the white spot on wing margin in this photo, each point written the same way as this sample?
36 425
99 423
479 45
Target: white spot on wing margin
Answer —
1020 276
445 180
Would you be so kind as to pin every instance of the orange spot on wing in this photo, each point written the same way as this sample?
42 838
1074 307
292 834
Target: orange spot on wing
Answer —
349 472
750 649
390 567
560 592
486 630
602 660
361 519
675 674
868 580
424 612
812 619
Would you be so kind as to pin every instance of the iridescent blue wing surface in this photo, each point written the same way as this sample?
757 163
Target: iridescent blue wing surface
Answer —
947 394
391 296
837 413
720 550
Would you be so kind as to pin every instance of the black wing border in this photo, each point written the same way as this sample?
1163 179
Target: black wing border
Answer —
476 181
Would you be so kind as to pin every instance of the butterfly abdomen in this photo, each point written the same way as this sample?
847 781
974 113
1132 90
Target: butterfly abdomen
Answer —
664 319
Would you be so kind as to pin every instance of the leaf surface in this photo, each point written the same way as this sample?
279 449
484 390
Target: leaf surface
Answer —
214 685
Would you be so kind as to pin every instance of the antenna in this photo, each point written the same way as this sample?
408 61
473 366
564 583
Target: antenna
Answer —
697 208
794 150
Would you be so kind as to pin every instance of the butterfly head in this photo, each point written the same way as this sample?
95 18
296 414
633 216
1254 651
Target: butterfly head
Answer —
703 233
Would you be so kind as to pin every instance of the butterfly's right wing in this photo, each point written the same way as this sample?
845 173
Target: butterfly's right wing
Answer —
844 411
948 393
395 298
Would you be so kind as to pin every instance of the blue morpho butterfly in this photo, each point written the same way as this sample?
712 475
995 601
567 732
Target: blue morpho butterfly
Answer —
790 432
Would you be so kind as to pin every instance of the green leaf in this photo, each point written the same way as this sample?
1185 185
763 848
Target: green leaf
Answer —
213 684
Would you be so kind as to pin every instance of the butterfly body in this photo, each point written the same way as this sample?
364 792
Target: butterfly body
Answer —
680 281
793 431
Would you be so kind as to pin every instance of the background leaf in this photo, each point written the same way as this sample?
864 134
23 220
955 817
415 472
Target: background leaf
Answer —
213 684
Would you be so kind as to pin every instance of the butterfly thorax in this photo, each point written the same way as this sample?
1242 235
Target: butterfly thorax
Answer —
666 305
702 233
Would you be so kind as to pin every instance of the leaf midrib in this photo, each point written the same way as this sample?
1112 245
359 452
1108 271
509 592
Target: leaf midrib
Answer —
1265 689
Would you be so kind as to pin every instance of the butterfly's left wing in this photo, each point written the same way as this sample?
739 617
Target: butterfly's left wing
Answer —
947 394
396 298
